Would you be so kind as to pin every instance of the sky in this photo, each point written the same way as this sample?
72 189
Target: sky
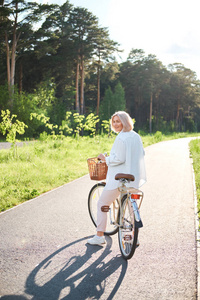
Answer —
168 29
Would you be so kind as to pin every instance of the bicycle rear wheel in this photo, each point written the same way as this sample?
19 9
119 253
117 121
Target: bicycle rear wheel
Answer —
128 233
93 198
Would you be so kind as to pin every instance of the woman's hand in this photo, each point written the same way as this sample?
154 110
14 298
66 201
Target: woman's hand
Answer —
101 157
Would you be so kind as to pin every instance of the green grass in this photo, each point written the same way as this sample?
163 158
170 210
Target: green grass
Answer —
158 137
195 152
41 166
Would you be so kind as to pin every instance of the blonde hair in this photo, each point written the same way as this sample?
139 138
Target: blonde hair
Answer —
126 120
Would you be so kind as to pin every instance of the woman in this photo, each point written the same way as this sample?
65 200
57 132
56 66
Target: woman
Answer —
126 156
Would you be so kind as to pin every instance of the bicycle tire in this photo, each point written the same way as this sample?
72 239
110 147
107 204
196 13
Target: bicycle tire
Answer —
128 232
93 198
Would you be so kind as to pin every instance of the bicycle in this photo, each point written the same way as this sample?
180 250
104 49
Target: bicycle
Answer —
124 216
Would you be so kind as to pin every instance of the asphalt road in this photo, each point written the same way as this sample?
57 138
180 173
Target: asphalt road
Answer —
5 145
44 255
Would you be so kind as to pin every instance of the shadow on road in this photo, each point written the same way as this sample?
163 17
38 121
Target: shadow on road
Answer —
13 297
69 273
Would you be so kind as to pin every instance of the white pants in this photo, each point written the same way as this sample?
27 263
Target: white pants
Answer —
106 199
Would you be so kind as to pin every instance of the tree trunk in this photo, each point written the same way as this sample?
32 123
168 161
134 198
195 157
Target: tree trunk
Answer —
20 77
177 114
13 56
82 87
8 59
77 88
98 86
150 114
156 112
11 60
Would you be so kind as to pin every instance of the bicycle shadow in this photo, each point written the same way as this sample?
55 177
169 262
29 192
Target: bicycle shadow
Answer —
79 276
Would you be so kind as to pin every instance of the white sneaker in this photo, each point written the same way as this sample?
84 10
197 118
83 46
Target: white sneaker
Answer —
97 240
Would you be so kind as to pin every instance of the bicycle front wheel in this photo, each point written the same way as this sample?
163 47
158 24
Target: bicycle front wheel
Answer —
93 198
128 233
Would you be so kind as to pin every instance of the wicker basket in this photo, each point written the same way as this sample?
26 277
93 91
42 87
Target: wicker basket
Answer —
97 169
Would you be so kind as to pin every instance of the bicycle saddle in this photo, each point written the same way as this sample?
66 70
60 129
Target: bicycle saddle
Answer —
128 177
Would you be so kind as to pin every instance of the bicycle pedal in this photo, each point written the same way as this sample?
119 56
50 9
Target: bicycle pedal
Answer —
105 208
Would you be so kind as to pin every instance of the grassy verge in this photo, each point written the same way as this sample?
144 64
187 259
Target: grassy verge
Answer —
159 137
41 166
195 152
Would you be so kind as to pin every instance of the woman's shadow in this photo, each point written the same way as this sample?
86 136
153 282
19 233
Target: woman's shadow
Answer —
79 276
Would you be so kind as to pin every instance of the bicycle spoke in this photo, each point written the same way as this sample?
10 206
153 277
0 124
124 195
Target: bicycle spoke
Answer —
127 232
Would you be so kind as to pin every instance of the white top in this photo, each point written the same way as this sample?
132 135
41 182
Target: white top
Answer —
126 156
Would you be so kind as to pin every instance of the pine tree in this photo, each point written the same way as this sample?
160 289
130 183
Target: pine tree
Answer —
106 109
119 102
112 102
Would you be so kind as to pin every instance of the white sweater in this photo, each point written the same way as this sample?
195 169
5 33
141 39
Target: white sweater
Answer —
126 156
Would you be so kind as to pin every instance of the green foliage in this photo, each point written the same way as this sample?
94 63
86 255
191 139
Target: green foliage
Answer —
119 98
112 102
44 94
106 125
44 120
79 124
90 123
44 136
65 127
41 118
10 126
106 107
73 123
4 96
189 124
45 78
39 102
158 136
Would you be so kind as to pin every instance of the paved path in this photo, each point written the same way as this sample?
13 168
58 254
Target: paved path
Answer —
6 145
43 248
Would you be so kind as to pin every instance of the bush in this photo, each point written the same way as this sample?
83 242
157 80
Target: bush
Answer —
158 136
